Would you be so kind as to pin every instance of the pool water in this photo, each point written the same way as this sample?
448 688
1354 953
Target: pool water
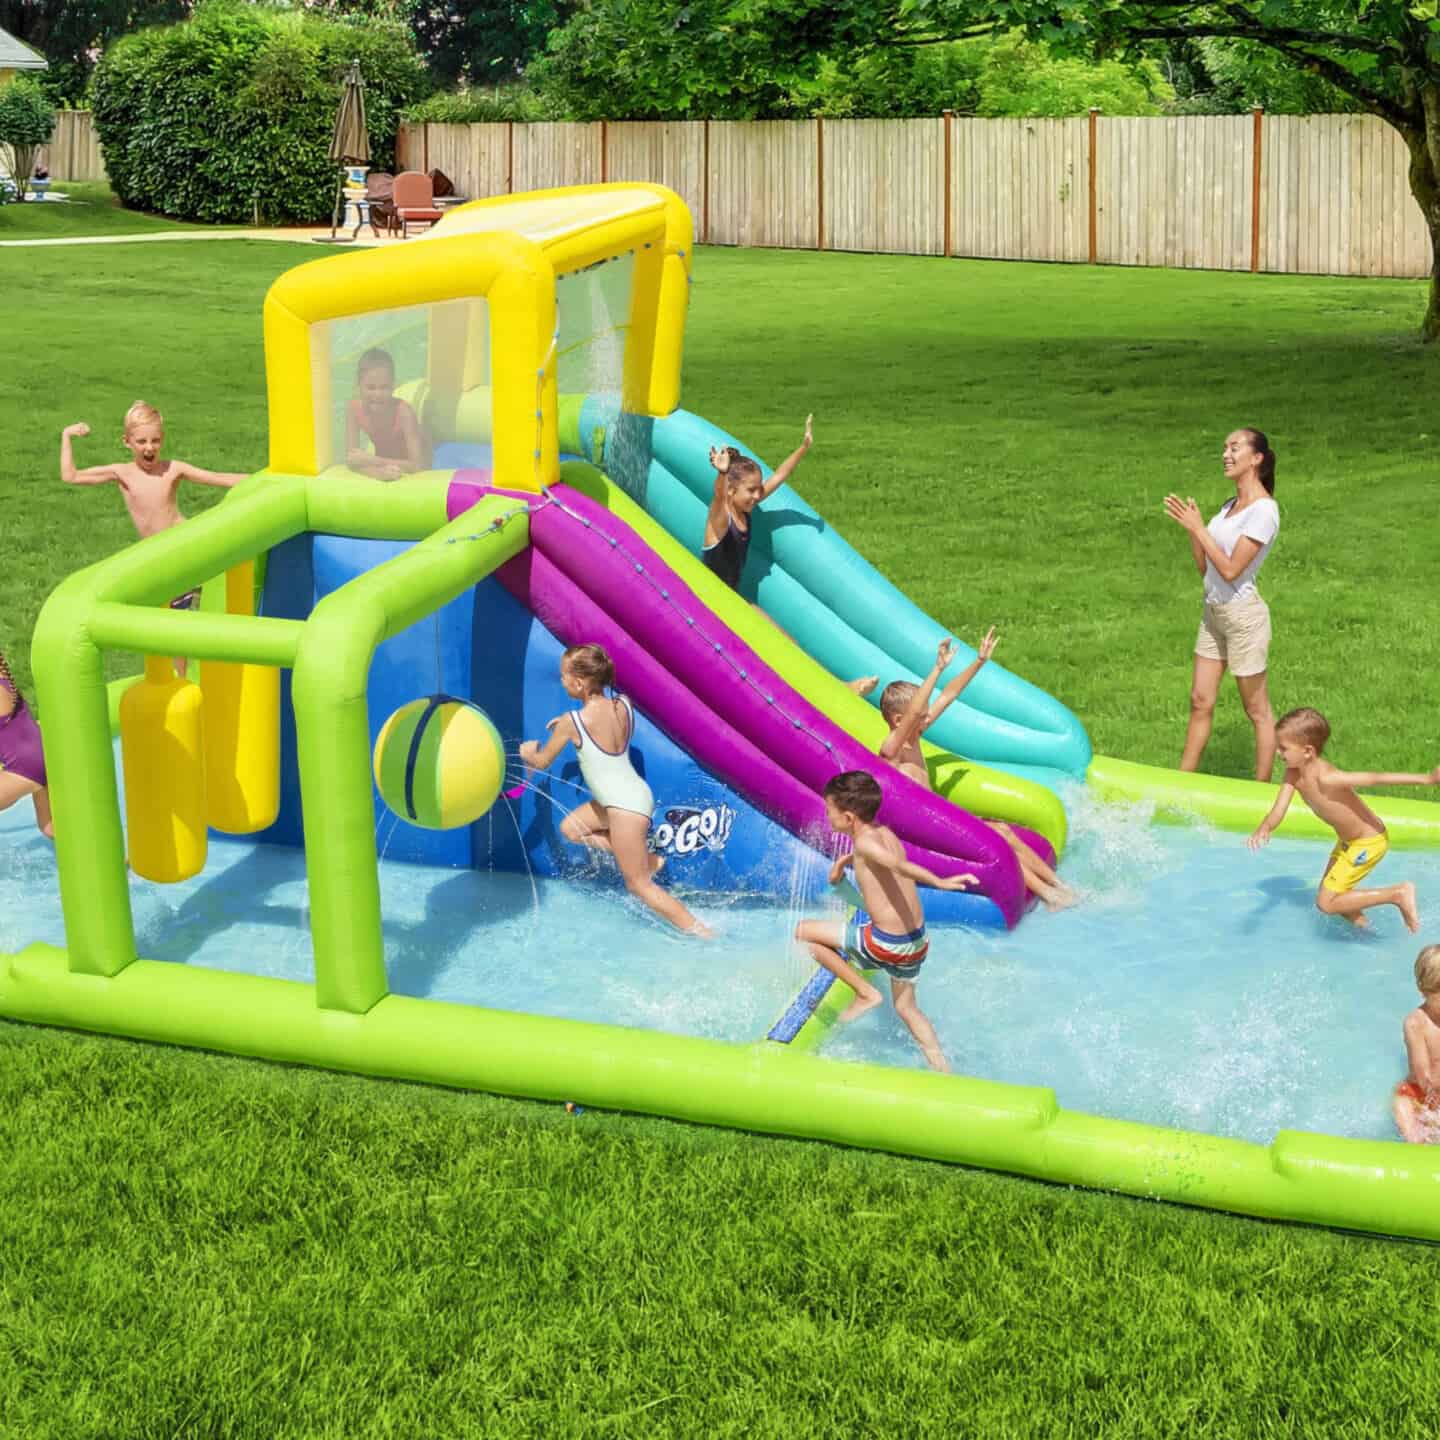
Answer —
1195 986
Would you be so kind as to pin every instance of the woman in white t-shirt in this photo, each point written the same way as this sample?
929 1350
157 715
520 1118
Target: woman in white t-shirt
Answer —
1235 626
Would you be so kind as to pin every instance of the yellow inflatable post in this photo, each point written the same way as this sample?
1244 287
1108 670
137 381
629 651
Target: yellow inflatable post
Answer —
162 748
242 729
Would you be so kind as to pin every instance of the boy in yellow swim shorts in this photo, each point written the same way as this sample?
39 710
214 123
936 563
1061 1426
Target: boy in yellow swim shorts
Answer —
1300 737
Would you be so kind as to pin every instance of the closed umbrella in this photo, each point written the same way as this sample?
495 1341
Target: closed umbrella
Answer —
350 144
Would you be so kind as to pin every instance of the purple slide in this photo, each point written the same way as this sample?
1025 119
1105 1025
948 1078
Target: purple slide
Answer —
590 579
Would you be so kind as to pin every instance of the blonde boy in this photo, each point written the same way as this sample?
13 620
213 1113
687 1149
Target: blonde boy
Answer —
1361 840
1417 1096
909 713
147 483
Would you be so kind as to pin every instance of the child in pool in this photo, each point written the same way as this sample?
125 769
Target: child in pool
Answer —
392 427
889 932
22 760
616 819
739 488
148 483
1417 1097
909 713
1300 736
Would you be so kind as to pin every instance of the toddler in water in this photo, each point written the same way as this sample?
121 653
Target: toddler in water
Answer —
617 817
889 932
148 483
1417 1097
1300 736
22 760
391 425
909 713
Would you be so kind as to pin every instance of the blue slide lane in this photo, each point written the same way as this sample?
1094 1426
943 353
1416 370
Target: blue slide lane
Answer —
831 600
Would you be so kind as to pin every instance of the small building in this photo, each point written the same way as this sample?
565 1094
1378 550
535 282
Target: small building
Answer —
16 57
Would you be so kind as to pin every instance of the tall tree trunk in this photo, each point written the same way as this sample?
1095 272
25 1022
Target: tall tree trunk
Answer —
1425 186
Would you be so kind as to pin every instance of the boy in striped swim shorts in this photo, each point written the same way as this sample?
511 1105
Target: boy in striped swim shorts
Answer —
889 933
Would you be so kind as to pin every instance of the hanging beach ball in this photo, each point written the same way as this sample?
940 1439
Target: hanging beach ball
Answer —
439 763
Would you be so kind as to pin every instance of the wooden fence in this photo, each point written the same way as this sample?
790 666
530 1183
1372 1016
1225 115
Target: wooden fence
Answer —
1318 194
74 149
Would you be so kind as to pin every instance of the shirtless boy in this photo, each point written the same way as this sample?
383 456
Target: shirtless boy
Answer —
148 483
1360 833
1417 1097
889 933
909 714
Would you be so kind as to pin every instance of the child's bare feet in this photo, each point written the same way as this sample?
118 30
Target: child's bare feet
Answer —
865 684
701 931
657 864
864 1001
935 1059
1061 897
1408 908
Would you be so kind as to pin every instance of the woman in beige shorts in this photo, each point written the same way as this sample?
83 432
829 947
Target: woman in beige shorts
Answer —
1235 625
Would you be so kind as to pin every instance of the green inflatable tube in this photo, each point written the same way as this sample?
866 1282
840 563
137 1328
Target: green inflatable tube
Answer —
1355 1184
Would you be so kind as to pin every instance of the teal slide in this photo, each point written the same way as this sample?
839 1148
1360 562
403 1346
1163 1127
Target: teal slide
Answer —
829 598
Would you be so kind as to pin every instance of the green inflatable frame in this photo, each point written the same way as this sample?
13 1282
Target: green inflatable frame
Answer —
347 1019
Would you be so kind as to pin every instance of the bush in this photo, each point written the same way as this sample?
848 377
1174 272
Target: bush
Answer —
27 120
475 107
234 109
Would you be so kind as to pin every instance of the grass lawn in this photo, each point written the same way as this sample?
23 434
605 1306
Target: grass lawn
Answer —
193 1245
90 209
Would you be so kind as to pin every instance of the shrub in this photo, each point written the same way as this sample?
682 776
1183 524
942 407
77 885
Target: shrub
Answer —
471 107
234 109
27 119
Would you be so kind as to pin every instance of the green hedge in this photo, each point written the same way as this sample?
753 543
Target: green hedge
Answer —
234 108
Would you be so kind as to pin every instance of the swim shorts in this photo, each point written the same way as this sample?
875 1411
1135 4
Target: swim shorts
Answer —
190 600
1237 633
20 750
899 956
1409 1090
1352 860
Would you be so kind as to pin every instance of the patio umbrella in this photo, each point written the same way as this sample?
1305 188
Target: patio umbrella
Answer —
350 144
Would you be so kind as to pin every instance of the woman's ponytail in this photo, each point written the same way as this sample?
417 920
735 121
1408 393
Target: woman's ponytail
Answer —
1261 446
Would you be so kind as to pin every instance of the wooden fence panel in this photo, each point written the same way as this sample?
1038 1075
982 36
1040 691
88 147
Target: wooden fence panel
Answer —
764 183
556 153
1019 189
1174 191
664 152
885 186
1336 199
74 149
475 157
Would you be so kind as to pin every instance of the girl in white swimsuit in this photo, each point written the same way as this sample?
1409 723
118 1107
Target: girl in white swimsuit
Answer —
617 817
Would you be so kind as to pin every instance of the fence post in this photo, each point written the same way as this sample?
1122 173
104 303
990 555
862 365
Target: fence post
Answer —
820 182
705 187
509 157
604 152
425 146
1094 223
948 118
1258 112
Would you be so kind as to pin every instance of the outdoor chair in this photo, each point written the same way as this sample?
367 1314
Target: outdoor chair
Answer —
380 195
414 200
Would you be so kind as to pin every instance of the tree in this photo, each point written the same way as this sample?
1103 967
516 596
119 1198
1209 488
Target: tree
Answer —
1383 54
27 119
72 33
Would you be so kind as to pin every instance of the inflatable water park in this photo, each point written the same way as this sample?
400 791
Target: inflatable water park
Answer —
369 654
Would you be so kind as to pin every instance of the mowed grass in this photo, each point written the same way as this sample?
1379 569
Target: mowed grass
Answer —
193 1245
90 209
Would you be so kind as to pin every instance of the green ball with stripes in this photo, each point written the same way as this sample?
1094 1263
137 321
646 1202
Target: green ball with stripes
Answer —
439 762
